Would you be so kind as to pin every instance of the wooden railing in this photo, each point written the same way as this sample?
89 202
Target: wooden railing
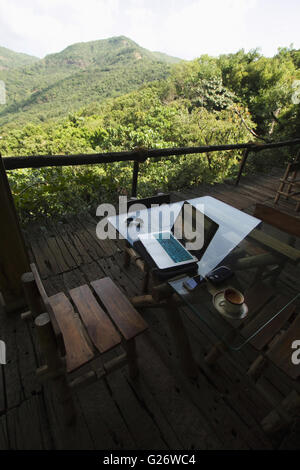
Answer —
13 254
138 155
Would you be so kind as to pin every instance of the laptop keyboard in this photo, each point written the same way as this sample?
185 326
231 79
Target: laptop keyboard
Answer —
173 248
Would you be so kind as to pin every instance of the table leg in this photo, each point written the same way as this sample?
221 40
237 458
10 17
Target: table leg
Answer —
181 339
130 349
163 298
127 257
214 353
219 348
146 301
146 281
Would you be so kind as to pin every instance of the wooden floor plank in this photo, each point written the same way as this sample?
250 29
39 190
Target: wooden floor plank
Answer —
4 443
106 425
108 247
153 407
2 391
27 426
200 428
66 253
145 431
43 267
92 271
50 259
221 410
57 254
71 249
211 407
81 250
228 373
13 386
76 437
27 361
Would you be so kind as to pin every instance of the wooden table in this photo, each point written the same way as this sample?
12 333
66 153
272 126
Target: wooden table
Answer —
237 243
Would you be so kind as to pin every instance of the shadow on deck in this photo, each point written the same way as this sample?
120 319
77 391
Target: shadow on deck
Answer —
162 410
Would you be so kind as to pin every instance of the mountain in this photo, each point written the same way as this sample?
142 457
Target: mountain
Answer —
10 59
80 74
105 52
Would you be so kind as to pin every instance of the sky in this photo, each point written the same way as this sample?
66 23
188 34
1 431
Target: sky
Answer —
182 28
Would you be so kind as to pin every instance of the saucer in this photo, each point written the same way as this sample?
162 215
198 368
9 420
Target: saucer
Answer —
216 301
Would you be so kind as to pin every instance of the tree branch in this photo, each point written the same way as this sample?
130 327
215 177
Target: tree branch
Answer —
265 139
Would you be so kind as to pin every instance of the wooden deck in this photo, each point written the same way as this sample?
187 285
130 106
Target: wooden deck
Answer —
162 410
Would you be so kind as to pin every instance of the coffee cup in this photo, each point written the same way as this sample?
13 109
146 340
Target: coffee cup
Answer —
232 301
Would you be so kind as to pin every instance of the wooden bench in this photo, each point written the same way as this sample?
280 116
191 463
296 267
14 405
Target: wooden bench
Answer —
74 332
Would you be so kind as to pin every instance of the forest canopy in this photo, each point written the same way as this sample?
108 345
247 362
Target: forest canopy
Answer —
233 98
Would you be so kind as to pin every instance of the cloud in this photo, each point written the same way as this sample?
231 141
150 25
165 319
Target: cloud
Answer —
41 27
197 27
185 28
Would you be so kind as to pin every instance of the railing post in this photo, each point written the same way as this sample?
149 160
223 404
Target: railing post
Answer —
140 155
135 174
13 255
242 165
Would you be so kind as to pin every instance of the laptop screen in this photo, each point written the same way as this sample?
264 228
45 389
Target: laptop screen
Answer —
194 229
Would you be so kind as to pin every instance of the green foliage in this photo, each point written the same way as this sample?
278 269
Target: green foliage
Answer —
11 60
203 102
263 84
80 74
201 83
138 118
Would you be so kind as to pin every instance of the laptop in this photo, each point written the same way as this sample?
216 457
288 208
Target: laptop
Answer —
166 249
204 226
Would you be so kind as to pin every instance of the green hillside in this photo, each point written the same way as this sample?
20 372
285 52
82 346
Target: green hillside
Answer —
80 74
11 60
233 98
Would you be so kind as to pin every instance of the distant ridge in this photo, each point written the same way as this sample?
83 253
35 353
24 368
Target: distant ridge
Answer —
10 59
41 89
103 51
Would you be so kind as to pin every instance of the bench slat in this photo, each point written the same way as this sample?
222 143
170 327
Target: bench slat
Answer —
99 326
78 350
126 318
